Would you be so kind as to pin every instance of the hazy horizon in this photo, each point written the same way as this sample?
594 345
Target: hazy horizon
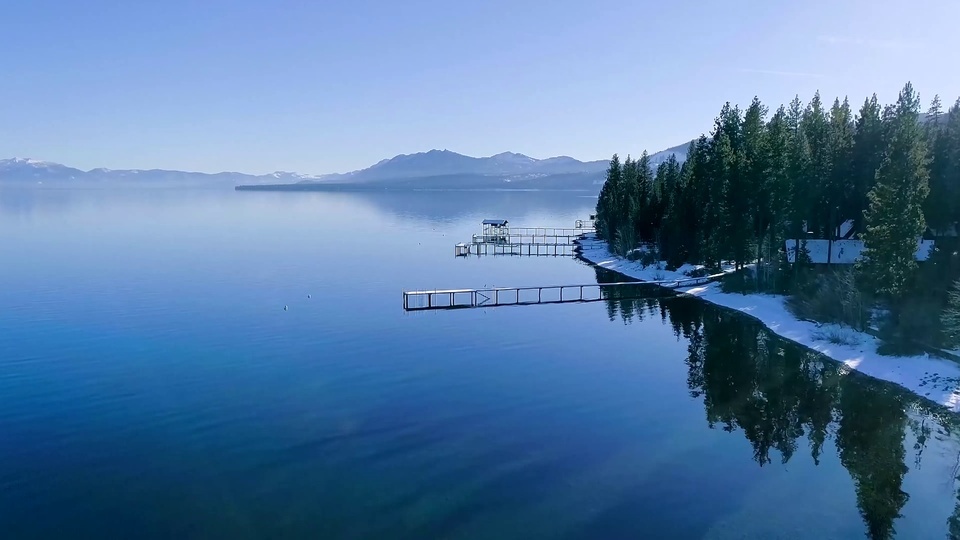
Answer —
31 159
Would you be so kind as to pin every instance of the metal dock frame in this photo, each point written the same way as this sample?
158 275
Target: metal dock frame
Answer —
511 296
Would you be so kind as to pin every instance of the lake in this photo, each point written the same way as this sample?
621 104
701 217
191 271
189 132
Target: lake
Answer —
152 385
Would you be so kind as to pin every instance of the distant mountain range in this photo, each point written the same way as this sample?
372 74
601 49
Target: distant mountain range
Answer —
20 169
447 163
433 169
443 169
509 166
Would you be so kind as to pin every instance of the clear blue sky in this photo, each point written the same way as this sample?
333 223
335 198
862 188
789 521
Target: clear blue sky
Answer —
332 86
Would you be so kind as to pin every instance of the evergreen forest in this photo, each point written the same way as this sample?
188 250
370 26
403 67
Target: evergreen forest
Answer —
765 182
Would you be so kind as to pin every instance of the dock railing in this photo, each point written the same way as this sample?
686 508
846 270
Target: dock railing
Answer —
547 294
518 238
550 231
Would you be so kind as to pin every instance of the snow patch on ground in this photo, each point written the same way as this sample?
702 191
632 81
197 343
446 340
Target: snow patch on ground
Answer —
934 378
596 252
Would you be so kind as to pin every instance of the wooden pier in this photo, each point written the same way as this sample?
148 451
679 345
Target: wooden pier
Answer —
548 294
498 238
520 238
550 231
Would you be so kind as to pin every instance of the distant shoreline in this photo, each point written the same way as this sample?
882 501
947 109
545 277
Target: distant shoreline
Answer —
382 187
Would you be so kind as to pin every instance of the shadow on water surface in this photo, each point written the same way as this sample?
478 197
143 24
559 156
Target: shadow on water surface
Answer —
776 393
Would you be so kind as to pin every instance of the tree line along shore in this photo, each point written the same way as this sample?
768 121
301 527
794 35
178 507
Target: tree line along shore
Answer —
764 185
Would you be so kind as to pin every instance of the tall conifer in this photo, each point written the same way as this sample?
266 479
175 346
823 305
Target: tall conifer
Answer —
895 218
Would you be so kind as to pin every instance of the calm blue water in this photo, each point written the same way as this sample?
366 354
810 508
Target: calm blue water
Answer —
152 386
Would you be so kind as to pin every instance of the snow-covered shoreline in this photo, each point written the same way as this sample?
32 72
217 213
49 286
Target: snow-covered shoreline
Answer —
930 377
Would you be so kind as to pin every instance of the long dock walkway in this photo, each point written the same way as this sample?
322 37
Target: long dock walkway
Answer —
498 238
550 231
519 238
548 294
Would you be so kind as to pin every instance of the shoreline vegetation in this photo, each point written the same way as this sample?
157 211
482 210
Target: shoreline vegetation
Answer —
936 379
780 396
755 196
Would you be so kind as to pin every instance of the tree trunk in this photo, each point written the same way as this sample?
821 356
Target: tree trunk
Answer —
759 249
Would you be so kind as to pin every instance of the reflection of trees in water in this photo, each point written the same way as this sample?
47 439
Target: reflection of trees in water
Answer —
953 524
748 381
870 442
775 393
633 302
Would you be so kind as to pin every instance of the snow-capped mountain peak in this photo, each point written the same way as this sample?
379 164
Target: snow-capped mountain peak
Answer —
513 157
29 162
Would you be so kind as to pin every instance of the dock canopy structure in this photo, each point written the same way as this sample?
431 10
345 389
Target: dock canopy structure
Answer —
495 230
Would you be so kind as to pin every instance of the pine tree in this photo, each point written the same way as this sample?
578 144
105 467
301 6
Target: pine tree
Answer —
816 127
942 207
603 209
778 178
951 189
754 160
889 114
839 190
676 235
643 216
865 160
664 183
934 113
608 202
630 202
667 191
735 206
895 218
682 220
699 185
722 196
951 317
798 170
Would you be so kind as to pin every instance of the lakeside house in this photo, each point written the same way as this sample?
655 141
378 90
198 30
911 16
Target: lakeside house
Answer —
843 251
948 232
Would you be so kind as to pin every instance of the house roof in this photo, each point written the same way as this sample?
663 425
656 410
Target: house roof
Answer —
950 230
499 222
